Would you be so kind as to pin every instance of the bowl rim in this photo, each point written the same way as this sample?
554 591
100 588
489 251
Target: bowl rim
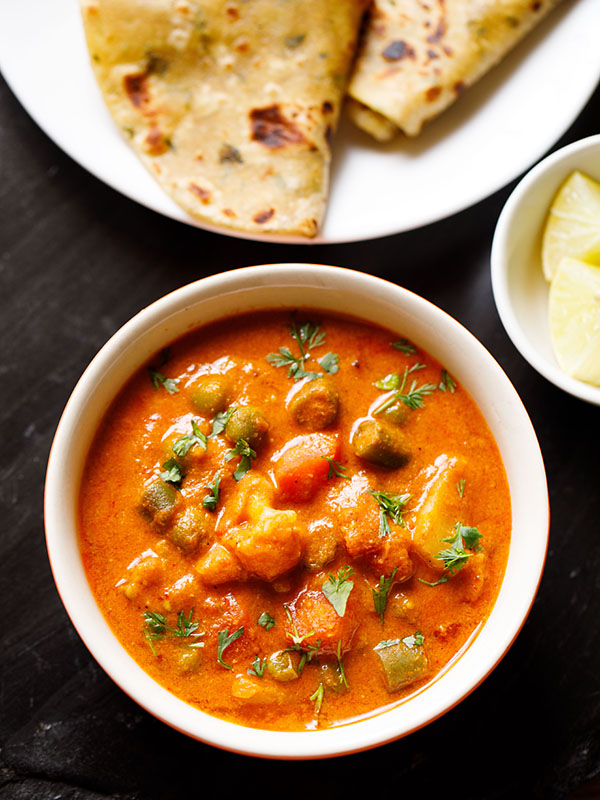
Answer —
499 258
111 656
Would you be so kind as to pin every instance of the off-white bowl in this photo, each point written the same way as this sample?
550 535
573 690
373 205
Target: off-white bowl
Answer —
327 288
520 289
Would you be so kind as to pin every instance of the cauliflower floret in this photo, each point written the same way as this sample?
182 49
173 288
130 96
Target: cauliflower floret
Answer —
269 546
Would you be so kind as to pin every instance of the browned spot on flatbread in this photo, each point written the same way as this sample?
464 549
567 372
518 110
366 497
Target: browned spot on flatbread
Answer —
137 89
433 93
271 128
438 33
203 194
229 212
156 143
263 216
459 87
397 50
327 107
536 5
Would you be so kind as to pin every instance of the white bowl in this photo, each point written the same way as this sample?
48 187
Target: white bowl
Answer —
520 289
327 288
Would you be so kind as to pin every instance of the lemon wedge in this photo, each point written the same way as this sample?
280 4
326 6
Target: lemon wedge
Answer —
574 316
573 224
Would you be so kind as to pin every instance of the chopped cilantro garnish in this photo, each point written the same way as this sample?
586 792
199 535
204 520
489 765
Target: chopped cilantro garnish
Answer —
172 472
243 449
381 593
257 667
404 346
266 621
185 443
447 383
336 469
337 589
210 500
224 640
390 505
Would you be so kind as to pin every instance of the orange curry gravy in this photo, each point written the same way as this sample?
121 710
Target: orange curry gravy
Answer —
276 587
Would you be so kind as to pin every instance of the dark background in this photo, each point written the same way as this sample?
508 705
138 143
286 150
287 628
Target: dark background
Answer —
76 261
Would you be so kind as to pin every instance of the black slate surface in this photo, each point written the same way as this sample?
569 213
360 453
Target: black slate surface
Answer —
76 261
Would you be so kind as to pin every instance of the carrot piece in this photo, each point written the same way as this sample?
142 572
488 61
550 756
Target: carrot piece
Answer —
302 465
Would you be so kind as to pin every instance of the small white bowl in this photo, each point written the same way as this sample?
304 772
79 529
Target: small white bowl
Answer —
333 289
519 287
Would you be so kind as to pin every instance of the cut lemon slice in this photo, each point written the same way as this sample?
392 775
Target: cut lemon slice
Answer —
573 224
575 319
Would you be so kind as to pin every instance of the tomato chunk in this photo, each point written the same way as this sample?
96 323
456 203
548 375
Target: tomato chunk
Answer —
302 465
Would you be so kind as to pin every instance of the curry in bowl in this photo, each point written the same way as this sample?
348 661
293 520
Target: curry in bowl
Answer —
292 520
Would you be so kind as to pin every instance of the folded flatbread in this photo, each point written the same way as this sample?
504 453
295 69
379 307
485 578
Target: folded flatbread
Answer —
417 56
231 105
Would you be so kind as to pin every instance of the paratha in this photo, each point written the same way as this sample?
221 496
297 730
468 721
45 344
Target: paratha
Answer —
232 106
418 56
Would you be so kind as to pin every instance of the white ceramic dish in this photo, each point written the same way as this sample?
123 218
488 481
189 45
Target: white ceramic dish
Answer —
493 134
329 288
520 289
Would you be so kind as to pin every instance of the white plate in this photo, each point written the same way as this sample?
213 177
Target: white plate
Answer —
492 134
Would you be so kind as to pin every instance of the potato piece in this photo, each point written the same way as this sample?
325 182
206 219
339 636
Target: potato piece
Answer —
316 404
381 444
219 565
181 593
252 496
144 571
270 546
402 663
438 509
256 690
471 578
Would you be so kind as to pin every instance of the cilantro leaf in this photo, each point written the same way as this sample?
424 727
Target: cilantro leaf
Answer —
381 593
456 557
390 505
224 640
404 346
447 383
243 449
184 444
336 469
157 377
257 667
220 421
337 589
172 472
266 621
330 362
210 500
414 640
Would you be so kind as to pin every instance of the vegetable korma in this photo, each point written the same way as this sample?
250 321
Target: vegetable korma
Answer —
293 519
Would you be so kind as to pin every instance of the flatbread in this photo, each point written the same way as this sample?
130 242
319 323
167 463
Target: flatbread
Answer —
231 105
418 56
